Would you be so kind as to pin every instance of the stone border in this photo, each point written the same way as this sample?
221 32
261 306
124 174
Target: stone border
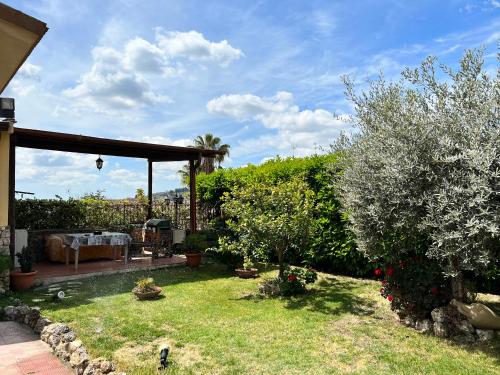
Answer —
61 339
4 251
447 322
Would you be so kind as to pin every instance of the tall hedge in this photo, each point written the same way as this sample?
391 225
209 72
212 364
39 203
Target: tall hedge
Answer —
333 248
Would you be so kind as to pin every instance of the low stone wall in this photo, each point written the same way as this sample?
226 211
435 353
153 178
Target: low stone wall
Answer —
61 339
447 322
4 252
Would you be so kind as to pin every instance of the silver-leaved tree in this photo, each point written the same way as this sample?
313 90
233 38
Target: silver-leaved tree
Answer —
423 169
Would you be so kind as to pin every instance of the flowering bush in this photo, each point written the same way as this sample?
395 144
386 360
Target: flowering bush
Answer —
414 286
294 280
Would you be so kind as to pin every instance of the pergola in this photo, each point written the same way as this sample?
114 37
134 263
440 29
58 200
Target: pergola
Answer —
46 140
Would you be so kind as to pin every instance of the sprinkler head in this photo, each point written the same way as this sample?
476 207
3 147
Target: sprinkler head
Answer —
164 350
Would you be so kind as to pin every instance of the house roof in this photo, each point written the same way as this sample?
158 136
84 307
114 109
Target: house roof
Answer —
19 34
46 140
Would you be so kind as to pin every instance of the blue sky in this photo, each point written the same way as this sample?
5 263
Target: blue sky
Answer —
262 75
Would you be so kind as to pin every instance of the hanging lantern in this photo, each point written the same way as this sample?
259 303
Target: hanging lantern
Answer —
99 162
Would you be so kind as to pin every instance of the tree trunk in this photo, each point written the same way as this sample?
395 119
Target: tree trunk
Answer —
457 282
280 262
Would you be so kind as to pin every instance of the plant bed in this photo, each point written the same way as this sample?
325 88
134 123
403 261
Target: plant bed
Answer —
146 289
246 273
149 294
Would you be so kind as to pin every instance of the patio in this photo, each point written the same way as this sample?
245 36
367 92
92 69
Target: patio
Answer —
49 272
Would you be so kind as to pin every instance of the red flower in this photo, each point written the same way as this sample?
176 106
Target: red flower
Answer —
434 290
390 297
381 290
292 277
378 272
384 282
389 271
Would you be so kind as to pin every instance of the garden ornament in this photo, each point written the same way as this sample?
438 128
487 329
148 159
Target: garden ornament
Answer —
59 296
163 357
479 315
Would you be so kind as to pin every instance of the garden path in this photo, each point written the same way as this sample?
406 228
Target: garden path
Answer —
22 352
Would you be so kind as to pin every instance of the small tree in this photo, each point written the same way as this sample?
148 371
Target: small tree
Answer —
423 172
269 218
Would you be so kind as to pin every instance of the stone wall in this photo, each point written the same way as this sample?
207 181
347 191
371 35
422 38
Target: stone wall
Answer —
60 338
4 252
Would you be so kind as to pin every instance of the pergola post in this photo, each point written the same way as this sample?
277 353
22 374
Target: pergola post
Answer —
150 189
192 196
12 199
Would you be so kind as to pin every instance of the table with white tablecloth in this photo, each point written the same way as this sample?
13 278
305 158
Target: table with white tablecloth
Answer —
75 240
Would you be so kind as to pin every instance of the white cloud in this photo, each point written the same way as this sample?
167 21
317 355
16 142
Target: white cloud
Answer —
125 78
299 132
194 46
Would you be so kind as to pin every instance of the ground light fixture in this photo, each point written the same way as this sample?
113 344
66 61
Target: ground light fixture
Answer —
7 108
99 162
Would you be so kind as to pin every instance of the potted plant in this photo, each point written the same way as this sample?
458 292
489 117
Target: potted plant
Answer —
193 245
247 271
146 289
23 279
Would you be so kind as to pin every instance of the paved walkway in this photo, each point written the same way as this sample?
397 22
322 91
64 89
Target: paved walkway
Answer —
22 352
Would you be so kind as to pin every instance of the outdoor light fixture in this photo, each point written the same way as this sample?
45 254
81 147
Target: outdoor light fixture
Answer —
7 108
99 162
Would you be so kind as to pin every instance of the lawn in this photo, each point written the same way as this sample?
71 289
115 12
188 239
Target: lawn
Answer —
215 324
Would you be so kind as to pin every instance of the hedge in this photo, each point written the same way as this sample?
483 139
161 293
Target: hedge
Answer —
333 248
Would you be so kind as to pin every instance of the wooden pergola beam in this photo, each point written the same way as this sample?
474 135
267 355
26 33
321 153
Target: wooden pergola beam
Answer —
192 196
150 189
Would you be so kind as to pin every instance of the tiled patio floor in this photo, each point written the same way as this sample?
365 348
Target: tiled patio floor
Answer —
22 352
52 272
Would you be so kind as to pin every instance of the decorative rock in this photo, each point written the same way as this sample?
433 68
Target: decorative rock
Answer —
465 327
10 313
409 322
79 360
22 311
74 345
68 337
424 326
107 367
440 329
438 314
41 324
485 335
32 317
53 340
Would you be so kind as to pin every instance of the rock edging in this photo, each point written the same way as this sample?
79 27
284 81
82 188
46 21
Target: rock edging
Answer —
447 322
61 339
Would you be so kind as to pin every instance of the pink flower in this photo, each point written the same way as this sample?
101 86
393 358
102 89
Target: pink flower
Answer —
384 282
381 290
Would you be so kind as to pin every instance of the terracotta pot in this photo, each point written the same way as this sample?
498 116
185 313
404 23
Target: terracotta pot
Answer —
193 259
246 273
150 294
22 280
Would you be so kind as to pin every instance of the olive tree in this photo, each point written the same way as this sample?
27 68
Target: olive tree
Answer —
267 219
423 168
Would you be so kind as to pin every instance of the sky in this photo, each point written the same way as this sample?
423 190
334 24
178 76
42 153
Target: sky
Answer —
264 76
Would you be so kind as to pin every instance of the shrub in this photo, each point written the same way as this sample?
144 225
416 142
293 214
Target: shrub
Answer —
414 285
332 247
145 285
269 219
25 258
194 243
423 172
294 280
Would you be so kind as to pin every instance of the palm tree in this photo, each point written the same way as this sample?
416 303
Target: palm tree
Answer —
209 142
206 142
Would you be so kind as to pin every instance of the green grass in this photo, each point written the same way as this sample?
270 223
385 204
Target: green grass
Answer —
215 324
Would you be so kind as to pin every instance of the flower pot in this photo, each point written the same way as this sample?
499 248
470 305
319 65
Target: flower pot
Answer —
150 294
246 273
22 280
193 259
